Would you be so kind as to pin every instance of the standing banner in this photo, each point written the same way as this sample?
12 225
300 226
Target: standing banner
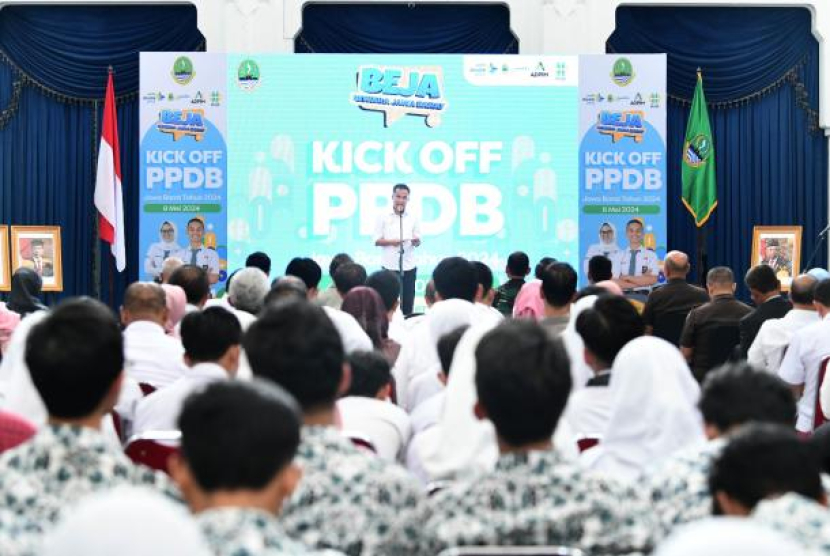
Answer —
183 162
622 154
502 153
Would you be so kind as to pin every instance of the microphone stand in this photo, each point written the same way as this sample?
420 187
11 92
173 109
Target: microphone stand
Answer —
821 237
400 250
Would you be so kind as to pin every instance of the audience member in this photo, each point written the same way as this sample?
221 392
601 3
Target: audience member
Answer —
653 410
800 367
711 330
211 340
765 290
8 322
348 276
529 304
168 267
329 297
284 288
259 260
727 536
636 265
75 357
246 294
151 355
175 299
195 283
599 269
128 521
25 291
366 408
533 496
558 291
485 293
605 329
819 274
388 286
366 306
518 266
668 306
767 473
236 466
732 396
581 373
347 498
767 350
306 270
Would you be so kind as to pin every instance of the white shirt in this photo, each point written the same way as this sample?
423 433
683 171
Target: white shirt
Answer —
152 356
645 263
386 424
423 387
807 348
388 226
353 336
589 410
160 410
205 257
427 414
767 350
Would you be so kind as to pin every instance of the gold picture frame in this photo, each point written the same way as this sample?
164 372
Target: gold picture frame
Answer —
5 261
779 247
25 239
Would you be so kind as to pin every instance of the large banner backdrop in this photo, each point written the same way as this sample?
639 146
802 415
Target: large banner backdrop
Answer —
502 153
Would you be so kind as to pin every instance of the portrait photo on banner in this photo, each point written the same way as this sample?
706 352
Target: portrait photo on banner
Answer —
780 248
5 263
39 248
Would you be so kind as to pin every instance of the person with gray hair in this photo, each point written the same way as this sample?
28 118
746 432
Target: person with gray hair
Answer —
248 290
707 337
169 265
667 306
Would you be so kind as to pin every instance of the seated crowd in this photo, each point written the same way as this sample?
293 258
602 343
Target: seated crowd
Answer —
283 420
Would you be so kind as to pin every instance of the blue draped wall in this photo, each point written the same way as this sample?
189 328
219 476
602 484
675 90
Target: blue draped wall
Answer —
760 69
401 28
53 68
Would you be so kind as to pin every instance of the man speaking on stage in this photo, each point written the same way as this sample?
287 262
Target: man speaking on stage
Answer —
398 232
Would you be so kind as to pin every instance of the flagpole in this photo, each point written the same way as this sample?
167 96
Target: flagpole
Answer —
111 265
701 237
96 236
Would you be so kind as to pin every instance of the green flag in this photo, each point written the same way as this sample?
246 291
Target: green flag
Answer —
699 191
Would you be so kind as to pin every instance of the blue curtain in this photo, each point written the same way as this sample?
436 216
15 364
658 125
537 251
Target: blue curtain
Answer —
760 71
403 28
53 69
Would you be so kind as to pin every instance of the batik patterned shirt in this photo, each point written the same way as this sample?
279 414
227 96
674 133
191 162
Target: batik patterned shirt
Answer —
249 532
804 520
347 499
19 536
61 464
532 498
680 486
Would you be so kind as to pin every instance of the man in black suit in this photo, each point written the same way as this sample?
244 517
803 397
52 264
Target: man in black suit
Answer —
765 290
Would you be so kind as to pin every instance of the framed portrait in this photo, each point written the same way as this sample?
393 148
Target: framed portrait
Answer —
5 262
780 248
39 248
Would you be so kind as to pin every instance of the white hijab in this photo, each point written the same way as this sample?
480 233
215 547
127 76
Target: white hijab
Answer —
581 373
653 409
609 246
460 442
727 536
128 521
170 245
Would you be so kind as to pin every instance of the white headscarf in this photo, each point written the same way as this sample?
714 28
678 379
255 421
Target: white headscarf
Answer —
653 409
581 373
171 244
460 442
727 536
128 521
609 246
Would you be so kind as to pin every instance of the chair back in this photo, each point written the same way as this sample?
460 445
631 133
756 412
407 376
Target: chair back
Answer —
512 551
153 448
669 326
818 413
361 441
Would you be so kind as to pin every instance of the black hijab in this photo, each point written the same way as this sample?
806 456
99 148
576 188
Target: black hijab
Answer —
23 298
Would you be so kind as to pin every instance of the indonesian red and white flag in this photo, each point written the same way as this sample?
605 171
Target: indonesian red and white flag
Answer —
108 195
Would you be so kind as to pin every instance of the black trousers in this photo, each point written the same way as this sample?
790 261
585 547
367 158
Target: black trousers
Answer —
407 290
